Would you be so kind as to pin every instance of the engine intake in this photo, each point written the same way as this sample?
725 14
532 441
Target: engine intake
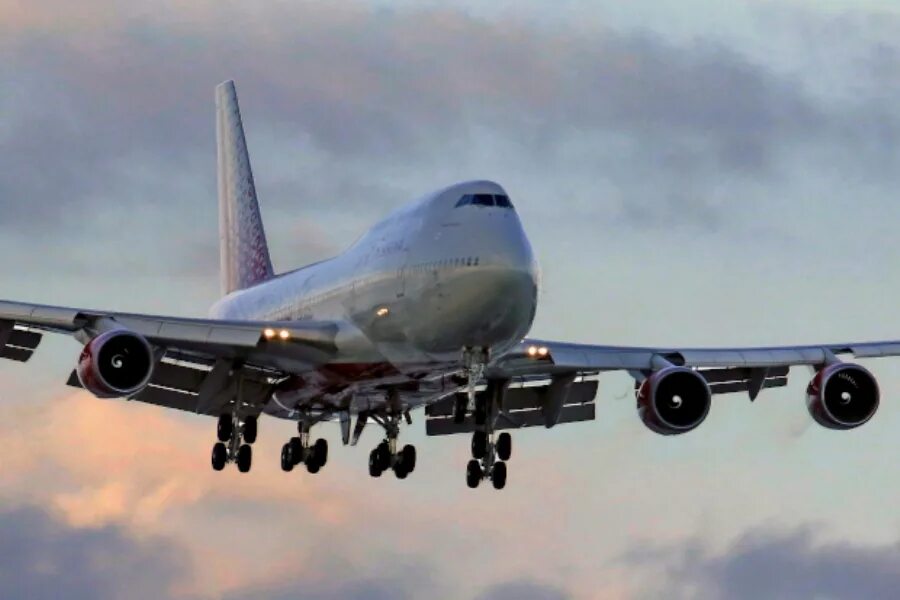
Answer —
115 363
842 396
673 400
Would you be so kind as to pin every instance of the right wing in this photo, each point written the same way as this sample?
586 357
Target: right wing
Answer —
199 363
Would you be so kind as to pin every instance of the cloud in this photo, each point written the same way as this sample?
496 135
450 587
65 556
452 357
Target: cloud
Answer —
44 558
779 565
120 112
522 590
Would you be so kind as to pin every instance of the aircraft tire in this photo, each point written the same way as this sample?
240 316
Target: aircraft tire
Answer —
408 458
473 474
479 444
504 446
287 460
498 476
296 450
384 456
224 428
320 451
250 430
375 463
219 456
244 458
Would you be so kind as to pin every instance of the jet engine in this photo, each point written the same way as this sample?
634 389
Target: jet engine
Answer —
842 396
673 400
116 363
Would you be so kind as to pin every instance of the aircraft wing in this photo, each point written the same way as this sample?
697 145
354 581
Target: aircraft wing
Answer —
197 360
542 356
554 382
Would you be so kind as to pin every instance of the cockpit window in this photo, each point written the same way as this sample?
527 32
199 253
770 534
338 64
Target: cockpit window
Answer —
485 200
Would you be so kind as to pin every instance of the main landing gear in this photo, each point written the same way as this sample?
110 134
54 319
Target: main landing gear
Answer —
386 455
299 450
489 458
489 452
235 436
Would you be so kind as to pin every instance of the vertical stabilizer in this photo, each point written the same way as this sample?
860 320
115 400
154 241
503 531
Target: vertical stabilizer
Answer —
243 251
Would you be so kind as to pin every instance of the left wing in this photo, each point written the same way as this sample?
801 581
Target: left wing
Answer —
200 365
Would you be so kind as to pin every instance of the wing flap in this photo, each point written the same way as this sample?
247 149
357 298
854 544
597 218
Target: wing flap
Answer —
513 420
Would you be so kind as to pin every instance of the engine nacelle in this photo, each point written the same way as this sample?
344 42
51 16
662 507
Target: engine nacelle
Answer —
116 363
673 400
842 396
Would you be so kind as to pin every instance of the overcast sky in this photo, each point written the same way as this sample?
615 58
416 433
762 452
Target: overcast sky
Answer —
690 172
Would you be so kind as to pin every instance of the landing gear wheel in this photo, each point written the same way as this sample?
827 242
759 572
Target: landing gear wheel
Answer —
408 458
400 471
312 466
225 428
244 458
498 475
320 451
219 456
296 450
473 474
384 456
504 446
287 459
250 429
479 444
375 463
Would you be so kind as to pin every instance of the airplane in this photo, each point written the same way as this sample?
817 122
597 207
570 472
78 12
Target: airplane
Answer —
429 310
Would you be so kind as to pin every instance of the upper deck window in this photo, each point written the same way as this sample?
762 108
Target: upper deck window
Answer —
485 200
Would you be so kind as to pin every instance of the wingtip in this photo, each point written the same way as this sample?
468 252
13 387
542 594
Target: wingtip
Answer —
225 86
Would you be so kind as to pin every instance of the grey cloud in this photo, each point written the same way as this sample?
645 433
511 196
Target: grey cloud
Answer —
523 590
779 565
42 557
126 111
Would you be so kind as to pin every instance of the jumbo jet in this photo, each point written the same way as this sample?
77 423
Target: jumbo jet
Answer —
427 313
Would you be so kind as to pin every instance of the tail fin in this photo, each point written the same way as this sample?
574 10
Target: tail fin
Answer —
243 252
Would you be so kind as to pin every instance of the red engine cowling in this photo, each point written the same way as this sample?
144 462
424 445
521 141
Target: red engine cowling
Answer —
842 396
673 400
116 363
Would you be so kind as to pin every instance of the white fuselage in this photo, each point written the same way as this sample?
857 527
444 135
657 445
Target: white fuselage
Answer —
427 281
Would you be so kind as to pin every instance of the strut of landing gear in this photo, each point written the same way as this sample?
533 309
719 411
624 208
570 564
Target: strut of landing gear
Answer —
489 453
235 436
299 450
386 455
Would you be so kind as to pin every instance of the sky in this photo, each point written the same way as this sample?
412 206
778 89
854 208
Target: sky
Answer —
690 173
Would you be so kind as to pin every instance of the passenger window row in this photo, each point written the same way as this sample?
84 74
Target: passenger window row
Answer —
485 200
471 261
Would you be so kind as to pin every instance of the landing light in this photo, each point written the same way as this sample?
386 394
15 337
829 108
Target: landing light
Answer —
284 334
269 333
535 351
383 311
